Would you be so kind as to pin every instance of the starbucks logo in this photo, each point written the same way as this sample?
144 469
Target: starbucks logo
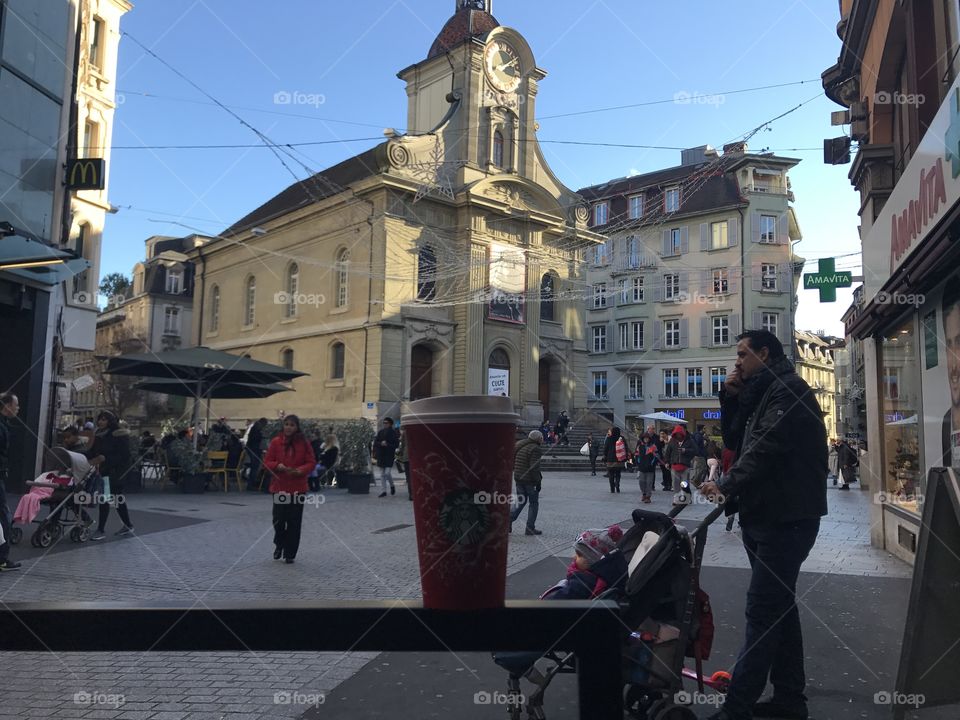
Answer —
464 520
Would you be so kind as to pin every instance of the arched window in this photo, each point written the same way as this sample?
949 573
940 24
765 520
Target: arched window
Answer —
337 352
426 274
249 302
547 298
287 358
293 283
498 373
215 308
498 149
342 278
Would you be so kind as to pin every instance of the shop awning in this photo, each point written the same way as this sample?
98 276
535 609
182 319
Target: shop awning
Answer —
912 420
21 253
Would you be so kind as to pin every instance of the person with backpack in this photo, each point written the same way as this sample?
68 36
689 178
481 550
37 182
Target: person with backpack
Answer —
614 455
648 460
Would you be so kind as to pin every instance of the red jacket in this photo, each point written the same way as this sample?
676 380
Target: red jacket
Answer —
298 455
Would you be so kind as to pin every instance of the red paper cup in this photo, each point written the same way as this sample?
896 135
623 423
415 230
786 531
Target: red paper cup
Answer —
461 475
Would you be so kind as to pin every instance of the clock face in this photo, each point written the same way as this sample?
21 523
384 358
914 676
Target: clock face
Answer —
503 68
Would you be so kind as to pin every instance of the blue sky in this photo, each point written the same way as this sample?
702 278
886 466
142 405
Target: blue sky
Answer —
598 54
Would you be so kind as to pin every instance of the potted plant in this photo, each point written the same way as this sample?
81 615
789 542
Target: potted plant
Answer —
354 471
193 477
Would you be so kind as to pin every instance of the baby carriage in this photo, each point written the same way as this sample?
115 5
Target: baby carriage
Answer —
665 614
71 484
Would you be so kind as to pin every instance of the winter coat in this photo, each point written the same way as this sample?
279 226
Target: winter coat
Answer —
594 449
526 463
4 444
328 457
648 460
680 452
846 455
114 445
297 455
610 571
386 455
610 452
780 471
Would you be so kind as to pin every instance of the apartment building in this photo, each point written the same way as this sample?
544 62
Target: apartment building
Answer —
694 254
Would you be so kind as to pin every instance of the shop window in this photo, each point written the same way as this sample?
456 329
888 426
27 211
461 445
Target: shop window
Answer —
903 465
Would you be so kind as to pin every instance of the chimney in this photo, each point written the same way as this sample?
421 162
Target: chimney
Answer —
697 155
735 148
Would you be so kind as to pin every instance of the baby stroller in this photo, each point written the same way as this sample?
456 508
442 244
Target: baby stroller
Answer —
66 514
665 614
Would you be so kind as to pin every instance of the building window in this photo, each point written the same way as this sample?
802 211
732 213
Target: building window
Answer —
293 287
624 335
768 276
891 383
600 295
636 207
341 278
624 292
171 320
174 282
600 254
694 382
676 241
600 385
718 235
671 333
337 352
768 228
426 274
671 382
250 300
638 289
599 338
721 330
671 199
633 252
635 386
286 358
721 281
91 139
769 321
215 308
498 149
98 34
717 376
636 333
547 306
671 286
601 213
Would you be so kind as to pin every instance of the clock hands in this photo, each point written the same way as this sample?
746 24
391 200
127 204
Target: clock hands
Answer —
506 65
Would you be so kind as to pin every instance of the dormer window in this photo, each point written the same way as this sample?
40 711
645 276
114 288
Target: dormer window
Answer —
174 281
671 199
601 213
636 207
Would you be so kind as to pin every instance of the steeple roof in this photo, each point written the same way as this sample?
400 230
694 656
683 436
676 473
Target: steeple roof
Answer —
467 23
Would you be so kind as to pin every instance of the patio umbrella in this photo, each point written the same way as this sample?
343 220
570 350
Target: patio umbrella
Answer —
201 371
220 391
664 417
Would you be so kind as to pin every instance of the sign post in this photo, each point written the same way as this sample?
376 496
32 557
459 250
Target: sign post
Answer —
827 279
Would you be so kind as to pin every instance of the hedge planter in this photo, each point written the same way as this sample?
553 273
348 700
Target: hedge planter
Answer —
193 483
356 483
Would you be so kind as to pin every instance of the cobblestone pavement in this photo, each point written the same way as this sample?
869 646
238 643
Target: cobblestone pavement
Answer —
227 556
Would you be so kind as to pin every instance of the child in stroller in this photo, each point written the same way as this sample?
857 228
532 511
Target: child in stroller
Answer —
665 616
57 488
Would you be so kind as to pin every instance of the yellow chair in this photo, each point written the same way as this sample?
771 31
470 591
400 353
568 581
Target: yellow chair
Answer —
237 471
217 467
169 469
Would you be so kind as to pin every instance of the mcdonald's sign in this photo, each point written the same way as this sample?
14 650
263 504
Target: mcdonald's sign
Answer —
86 174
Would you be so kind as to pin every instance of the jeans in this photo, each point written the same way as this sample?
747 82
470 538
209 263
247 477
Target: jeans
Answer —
527 493
647 482
680 476
593 464
773 644
667 478
256 463
386 477
4 518
287 521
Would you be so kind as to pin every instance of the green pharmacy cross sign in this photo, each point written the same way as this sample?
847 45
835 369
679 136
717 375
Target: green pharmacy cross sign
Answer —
827 280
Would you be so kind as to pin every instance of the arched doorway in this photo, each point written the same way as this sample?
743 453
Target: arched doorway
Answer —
544 388
421 372
498 373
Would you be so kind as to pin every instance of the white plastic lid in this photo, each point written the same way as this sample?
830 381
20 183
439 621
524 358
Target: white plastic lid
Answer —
461 409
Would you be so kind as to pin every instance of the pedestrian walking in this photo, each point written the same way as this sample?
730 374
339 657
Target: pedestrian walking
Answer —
111 454
9 407
403 460
678 455
847 461
666 477
528 480
329 452
289 460
593 447
385 455
614 455
648 460
778 481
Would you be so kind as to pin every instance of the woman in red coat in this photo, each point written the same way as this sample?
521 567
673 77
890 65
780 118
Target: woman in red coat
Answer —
289 460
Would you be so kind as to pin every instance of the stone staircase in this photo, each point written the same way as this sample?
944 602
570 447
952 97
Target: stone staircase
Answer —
567 457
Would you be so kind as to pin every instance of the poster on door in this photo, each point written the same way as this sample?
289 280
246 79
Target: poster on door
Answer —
498 382
508 283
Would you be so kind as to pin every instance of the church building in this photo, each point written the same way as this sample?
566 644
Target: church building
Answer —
447 260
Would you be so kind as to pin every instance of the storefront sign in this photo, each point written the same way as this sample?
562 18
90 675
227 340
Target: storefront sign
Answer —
827 280
86 174
924 194
498 381
693 414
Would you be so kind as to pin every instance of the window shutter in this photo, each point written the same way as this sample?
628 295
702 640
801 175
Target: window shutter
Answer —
658 289
684 284
783 236
734 327
755 227
684 240
783 332
783 278
757 319
704 236
733 280
733 232
756 275
657 334
705 331
684 333
666 243
706 282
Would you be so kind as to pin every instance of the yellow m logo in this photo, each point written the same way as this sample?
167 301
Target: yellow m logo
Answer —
85 174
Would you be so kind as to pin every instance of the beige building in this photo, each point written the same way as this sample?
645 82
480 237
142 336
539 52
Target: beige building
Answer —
446 260
816 363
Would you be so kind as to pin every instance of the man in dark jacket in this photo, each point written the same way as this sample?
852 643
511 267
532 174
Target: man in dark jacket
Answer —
528 479
9 407
563 422
385 455
778 483
847 461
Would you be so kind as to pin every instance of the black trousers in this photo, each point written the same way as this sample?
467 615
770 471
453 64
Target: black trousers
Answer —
121 509
613 474
667 479
287 521
4 517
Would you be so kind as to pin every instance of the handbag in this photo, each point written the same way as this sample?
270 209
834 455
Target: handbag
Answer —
585 450
621 448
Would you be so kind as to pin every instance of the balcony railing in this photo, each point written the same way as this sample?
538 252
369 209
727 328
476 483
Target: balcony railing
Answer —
688 396
599 398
